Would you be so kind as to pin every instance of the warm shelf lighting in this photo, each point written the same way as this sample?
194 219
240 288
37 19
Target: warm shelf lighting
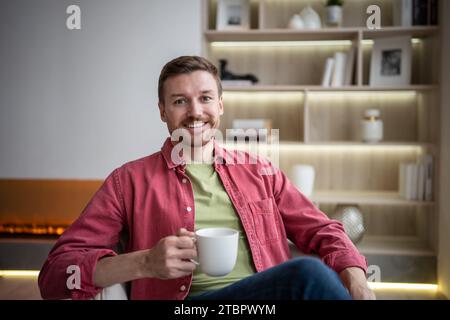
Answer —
19 273
402 286
369 42
224 44
255 97
306 43
350 147
327 148
400 94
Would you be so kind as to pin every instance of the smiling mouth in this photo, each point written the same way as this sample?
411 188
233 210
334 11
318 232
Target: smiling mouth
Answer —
195 125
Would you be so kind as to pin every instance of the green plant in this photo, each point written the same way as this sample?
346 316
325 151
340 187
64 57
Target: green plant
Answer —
335 3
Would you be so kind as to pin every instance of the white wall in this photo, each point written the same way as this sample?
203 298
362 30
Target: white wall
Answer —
77 104
444 204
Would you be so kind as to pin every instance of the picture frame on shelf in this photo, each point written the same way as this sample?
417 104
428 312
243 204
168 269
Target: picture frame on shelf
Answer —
391 62
233 15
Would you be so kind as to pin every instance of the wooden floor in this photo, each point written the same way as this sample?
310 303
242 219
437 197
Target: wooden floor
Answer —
27 289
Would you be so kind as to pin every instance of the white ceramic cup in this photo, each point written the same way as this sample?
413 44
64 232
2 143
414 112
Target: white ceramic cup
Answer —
304 178
217 250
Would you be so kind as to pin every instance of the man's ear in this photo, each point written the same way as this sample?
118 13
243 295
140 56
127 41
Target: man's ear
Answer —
221 105
162 111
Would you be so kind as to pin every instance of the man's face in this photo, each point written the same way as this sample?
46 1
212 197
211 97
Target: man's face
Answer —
192 102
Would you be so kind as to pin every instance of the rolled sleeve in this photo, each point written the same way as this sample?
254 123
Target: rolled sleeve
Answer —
91 237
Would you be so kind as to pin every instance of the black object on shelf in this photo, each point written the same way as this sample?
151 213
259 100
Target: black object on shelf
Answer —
425 12
228 75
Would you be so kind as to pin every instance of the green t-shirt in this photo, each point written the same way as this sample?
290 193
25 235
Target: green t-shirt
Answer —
213 208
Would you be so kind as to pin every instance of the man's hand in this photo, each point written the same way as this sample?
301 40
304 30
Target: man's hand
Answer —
355 281
169 259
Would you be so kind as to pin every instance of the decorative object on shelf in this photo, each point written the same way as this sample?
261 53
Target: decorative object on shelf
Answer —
233 15
310 18
303 178
424 12
339 70
231 78
352 219
372 126
416 179
334 13
402 12
296 22
391 62
245 130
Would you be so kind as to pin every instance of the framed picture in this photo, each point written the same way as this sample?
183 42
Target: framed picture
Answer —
391 62
233 15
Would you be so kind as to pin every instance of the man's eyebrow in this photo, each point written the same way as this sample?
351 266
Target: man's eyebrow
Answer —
182 94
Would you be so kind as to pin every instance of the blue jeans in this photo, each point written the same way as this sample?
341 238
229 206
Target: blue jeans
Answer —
303 278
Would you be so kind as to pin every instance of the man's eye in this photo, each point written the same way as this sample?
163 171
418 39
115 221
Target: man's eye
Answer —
206 98
180 101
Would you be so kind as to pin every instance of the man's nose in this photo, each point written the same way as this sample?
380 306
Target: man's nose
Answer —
195 109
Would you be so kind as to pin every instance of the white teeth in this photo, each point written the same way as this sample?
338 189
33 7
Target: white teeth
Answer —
196 124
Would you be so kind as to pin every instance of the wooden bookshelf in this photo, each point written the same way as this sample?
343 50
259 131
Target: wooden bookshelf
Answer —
318 124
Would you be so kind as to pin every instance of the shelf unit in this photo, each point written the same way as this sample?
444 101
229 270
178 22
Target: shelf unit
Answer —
319 125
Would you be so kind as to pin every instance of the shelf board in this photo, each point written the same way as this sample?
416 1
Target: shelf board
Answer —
283 35
391 245
365 197
351 144
324 34
314 88
415 32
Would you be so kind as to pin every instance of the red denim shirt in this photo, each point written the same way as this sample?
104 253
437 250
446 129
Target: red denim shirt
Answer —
151 198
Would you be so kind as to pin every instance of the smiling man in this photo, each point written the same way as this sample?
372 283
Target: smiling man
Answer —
155 203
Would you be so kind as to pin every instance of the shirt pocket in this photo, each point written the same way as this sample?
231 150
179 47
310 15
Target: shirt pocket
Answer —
266 222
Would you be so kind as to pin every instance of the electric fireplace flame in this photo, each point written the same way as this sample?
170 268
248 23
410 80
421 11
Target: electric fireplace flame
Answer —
31 229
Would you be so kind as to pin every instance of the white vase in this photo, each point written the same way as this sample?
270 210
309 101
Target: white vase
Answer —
304 178
334 16
310 18
296 22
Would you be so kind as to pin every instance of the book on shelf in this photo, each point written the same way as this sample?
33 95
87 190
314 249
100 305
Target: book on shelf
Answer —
349 64
424 12
416 179
337 80
408 13
338 70
328 72
402 12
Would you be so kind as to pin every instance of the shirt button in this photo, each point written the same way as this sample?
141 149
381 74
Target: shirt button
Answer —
184 180
183 288
189 209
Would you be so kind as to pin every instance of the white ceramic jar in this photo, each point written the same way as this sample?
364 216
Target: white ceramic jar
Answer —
372 126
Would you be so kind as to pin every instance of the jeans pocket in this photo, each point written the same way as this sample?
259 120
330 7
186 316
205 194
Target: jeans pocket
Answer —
266 222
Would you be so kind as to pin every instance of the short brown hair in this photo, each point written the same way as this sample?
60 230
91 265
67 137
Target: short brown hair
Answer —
186 65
